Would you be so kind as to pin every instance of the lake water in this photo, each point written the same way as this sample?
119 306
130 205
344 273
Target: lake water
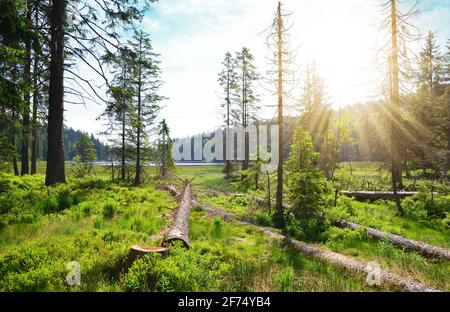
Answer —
106 163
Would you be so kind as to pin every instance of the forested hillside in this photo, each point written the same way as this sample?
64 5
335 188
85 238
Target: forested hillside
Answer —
71 136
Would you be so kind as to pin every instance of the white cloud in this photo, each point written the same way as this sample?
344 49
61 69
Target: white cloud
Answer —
193 36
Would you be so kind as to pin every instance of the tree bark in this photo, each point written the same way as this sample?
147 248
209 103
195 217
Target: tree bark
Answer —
448 133
372 196
395 112
163 161
13 142
35 123
25 168
244 113
228 161
424 249
123 171
55 152
387 279
137 178
179 230
258 200
279 194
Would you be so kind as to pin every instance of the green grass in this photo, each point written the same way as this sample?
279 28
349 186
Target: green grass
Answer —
376 176
33 257
95 221
381 215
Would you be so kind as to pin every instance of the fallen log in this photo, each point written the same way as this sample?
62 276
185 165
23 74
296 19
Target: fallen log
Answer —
424 249
373 196
385 278
179 230
258 200
215 212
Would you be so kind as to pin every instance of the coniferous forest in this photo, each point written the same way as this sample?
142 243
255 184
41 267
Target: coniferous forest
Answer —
110 182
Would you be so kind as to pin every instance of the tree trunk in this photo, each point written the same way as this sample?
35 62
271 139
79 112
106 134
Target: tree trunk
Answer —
55 152
448 133
163 162
137 178
425 249
123 144
179 230
244 113
25 168
34 137
13 143
395 112
279 194
269 196
112 171
258 200
228 161
372 196
387 279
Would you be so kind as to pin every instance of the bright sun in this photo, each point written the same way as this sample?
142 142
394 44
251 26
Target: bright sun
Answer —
341 40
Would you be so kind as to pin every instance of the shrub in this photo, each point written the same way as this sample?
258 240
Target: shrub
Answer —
99 222
426 206
65 200
195 269
86 208
216 231
49 204
139 275
309 229
263 219
109 209
306 186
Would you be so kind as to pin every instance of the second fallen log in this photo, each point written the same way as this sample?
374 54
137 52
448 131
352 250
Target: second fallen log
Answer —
373 196
424 249
179 230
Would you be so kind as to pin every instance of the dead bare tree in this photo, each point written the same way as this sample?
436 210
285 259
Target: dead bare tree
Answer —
282 77
399 32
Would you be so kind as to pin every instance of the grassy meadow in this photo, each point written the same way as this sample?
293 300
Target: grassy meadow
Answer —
95 221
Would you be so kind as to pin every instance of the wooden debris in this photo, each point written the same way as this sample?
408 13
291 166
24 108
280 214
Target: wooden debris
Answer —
373 196
179 230
386 278
424 249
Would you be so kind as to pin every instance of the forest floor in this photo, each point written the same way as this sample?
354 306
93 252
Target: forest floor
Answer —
95 222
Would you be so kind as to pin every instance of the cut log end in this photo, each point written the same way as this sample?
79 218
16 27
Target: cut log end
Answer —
149 249
137 252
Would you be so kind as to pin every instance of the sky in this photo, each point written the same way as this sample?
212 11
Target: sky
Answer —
192 36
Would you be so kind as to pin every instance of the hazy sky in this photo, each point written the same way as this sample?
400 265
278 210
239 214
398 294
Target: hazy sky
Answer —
192 37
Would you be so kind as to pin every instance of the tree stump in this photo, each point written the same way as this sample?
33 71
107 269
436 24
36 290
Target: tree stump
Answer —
137 252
